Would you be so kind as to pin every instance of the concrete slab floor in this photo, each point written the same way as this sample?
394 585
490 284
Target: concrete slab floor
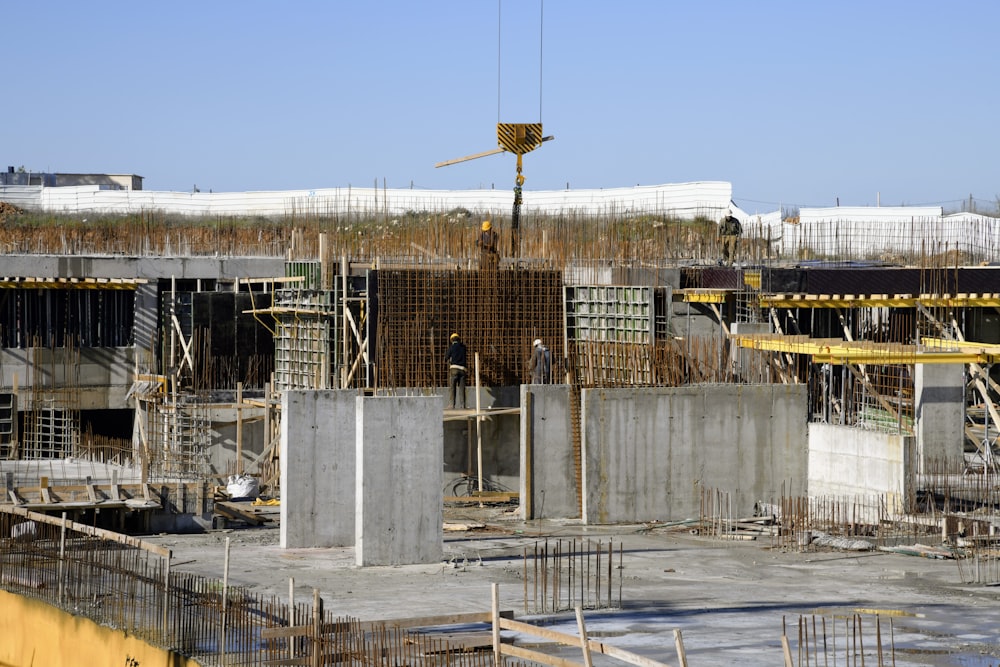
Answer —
729 599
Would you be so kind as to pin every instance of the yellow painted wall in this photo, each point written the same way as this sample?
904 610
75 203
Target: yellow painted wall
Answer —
33 634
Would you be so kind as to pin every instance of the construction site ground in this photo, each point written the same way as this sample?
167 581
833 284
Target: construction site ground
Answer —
729 598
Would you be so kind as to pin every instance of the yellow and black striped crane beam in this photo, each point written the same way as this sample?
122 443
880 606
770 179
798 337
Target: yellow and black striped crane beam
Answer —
516 138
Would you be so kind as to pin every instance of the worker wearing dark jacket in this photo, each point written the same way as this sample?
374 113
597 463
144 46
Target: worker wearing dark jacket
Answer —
457 370
541 363
729 234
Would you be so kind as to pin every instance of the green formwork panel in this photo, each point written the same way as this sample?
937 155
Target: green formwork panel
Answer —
311 271
306 338
609 313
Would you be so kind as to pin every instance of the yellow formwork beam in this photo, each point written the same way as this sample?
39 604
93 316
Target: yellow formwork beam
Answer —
71 283
848 300
971 300
703 295
901 357
962 345
837 351
785 343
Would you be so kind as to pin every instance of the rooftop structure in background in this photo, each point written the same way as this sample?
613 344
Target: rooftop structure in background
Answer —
18 177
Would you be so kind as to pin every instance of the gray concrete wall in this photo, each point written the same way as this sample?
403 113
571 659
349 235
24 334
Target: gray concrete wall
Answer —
655 277
399 478
103 374
318 472
690 321
548 484
649 453
939 407
501 435
110 266
847 461
225 434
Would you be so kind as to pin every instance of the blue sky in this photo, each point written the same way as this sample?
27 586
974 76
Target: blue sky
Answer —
795 103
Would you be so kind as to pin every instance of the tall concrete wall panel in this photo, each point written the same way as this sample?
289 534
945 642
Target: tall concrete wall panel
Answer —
939 402
399 478
318 471
549 487
649 453
846 461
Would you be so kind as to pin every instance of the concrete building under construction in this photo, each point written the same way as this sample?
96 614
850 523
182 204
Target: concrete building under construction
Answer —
143 367
176 363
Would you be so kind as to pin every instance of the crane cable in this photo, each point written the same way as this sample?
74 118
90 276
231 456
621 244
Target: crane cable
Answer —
499 53
541 33
541 36
515 218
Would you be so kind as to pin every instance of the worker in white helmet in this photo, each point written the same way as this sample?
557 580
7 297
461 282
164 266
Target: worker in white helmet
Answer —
541 363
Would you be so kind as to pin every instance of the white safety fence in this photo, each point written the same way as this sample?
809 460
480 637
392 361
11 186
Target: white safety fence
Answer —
683 200
871 234
884 233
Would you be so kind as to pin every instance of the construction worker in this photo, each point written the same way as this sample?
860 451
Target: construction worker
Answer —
729 235
457 370
541 363
489 247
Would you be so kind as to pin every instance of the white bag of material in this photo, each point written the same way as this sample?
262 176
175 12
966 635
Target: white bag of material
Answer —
242 486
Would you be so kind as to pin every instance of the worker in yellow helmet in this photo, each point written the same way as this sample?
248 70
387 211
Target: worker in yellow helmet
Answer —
489 247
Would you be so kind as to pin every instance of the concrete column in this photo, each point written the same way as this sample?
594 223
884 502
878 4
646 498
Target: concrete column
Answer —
317 468
399 453
939 408
549 486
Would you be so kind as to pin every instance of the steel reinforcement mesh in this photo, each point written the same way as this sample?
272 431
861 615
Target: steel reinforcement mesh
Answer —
498 314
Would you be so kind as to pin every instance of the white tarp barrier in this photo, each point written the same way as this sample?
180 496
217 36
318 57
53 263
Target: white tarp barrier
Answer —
683 200
858 232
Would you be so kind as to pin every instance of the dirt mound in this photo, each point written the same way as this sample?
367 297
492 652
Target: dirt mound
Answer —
8 210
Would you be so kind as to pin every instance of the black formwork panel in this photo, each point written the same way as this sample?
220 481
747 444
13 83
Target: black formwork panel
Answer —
235 346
